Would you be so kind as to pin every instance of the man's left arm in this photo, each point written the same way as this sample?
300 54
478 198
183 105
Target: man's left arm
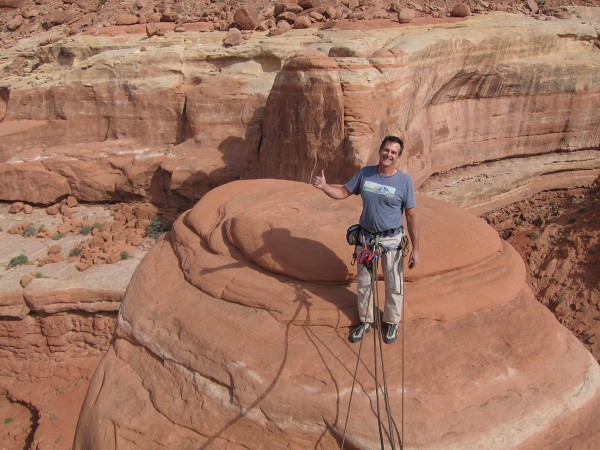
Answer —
412 222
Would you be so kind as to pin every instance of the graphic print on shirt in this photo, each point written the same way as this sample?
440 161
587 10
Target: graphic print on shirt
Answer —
382 189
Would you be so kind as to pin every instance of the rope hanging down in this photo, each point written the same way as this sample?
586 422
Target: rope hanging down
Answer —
370 258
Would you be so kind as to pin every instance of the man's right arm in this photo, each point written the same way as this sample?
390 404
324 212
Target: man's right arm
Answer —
335 192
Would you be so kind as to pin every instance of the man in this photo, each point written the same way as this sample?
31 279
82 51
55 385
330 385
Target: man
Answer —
386 192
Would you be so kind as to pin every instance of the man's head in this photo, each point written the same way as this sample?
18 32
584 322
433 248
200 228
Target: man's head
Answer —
389 139
389 152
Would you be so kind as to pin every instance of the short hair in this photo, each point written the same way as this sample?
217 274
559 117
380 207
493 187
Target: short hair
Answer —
395 139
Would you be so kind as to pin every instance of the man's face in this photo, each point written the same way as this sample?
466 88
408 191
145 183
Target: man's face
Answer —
389 153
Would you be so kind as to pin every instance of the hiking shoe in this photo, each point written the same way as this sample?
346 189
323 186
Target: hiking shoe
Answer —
392 333
359 331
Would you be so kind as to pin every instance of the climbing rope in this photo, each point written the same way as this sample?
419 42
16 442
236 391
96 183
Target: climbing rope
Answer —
377 317
371 262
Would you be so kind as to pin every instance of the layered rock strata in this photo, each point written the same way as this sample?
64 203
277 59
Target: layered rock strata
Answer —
167 118
234 331
56 322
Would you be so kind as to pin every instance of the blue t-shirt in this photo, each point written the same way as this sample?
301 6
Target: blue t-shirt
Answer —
384 197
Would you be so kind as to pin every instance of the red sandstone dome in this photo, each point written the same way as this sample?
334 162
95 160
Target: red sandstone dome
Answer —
234 329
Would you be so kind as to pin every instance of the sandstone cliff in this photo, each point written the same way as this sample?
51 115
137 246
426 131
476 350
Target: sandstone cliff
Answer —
494 108
167 118
234 330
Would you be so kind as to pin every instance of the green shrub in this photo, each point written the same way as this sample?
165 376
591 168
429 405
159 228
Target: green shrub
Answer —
124 255
534 235
17 261
85 230
156 227
75 251
8 420
58 236
30 230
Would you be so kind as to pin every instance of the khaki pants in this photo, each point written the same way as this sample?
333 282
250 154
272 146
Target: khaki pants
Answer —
392 265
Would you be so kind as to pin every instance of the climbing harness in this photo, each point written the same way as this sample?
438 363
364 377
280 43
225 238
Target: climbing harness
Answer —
369 257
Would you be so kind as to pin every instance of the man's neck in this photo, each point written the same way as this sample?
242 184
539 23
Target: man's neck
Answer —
387 170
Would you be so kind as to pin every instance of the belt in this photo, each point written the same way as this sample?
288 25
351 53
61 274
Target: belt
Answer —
385 233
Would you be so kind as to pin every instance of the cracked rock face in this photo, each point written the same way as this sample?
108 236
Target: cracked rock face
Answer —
234 332
128 118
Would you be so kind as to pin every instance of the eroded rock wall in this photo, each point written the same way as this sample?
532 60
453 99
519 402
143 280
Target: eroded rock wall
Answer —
191 113
460 96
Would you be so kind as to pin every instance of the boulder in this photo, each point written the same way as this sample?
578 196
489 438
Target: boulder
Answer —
31 182
153 30
287 16
460 10
302 22
294 8
278 9
250 262
315 16
126 19
153 18
246 18
309 4
234 37
16 207
15 23
71 201
330 12
53 210
282 27
406 15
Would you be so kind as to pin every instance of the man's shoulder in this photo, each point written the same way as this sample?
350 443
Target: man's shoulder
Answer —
400 177
368 170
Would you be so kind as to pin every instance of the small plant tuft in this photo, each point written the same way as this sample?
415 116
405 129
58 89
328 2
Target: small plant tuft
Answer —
57 236
8 420
75 251
85 230
534 235
156 227
17 261
124 255
30 230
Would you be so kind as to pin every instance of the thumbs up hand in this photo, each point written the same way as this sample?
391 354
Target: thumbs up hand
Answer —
319 181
